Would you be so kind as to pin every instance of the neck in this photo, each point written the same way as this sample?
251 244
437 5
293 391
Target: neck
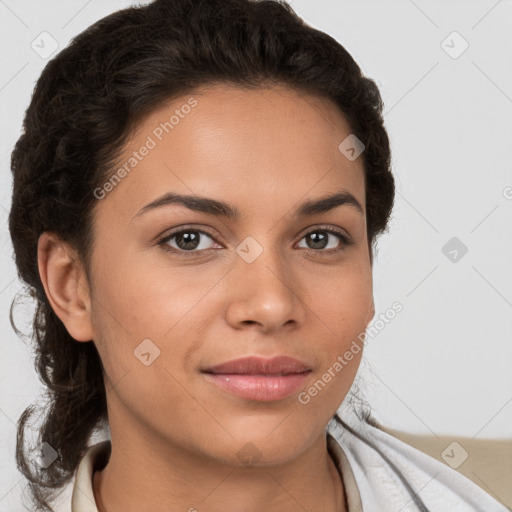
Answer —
144 474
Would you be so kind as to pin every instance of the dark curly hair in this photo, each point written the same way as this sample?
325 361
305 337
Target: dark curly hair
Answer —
87 102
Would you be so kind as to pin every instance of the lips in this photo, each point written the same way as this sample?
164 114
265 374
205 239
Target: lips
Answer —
280 365
259 379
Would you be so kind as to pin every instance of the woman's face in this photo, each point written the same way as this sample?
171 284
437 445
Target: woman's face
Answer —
256 284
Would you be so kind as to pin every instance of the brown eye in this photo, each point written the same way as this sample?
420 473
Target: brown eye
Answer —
319 239
188 241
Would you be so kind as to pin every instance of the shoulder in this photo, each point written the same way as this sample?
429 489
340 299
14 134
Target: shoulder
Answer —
393 474
78 495
486 462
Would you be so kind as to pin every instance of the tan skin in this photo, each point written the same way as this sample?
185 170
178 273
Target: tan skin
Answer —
175 436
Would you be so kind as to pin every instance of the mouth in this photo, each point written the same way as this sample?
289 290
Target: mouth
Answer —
260 379
253 365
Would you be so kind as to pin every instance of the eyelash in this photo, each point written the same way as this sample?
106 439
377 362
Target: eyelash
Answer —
194 253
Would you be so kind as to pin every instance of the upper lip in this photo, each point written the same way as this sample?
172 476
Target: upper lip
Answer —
279 365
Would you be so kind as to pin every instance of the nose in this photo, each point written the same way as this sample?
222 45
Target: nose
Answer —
265 292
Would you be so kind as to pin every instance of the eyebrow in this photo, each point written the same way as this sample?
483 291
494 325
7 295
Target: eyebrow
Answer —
220 208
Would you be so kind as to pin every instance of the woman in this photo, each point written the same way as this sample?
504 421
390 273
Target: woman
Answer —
197 196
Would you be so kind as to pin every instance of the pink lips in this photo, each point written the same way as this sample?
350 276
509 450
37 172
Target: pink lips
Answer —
256 378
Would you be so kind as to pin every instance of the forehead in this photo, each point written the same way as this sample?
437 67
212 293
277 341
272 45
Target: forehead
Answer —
255 148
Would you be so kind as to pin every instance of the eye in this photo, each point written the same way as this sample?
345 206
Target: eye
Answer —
193 241
189 241
318 240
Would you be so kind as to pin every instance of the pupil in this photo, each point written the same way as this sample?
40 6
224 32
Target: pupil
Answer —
322 237
191 240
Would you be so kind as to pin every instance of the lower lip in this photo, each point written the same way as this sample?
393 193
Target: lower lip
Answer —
264 388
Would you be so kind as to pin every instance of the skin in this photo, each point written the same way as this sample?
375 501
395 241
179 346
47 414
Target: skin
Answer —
175 436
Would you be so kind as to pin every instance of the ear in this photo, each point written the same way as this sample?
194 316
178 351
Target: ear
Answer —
65 284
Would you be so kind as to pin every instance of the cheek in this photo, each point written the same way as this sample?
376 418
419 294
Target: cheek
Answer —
343 304
144 299
136 320
341 310
135 301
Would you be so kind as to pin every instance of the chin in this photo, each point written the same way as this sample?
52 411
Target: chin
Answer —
264 444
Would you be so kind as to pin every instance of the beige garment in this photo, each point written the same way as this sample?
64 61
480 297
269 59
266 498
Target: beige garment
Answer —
488 463
97 456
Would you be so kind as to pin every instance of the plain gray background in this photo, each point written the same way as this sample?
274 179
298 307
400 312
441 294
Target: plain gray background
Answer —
442 365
